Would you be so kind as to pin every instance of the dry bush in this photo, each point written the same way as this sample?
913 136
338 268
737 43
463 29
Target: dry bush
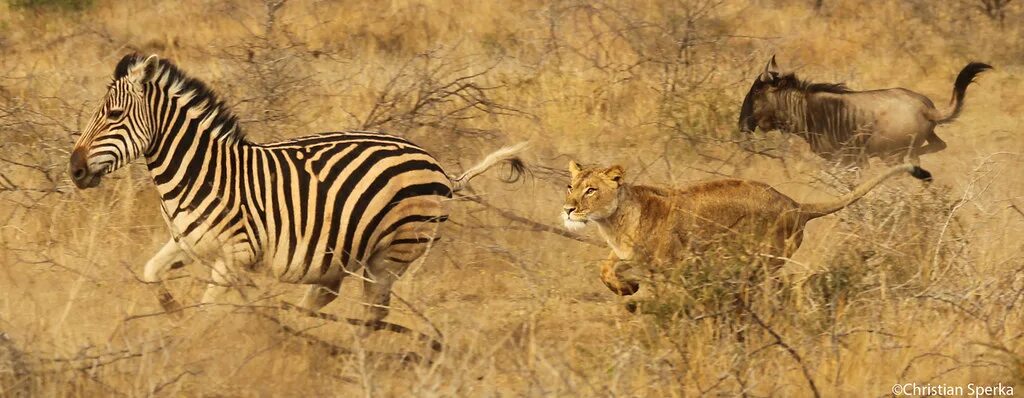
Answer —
890 247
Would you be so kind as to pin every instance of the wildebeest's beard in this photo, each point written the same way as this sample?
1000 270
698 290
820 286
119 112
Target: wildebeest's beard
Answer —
747 121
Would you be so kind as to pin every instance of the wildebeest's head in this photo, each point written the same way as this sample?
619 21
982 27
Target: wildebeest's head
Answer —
756 111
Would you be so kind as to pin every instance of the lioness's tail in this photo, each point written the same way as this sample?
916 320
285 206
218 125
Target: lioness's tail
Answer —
965 78
506 154
814 210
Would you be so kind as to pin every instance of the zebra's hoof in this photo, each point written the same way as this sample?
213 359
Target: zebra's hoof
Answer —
170 305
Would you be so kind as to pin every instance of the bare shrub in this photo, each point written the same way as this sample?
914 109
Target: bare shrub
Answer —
15 374
995 9
894 244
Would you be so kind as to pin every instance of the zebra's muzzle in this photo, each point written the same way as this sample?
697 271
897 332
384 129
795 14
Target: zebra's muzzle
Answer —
78 169
89 181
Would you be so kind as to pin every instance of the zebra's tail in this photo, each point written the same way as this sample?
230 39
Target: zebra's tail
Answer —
506 154
965 78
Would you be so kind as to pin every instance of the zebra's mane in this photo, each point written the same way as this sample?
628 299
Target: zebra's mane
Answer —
171 77
790 81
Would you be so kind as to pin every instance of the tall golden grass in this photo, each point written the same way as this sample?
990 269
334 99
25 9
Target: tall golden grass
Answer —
914 284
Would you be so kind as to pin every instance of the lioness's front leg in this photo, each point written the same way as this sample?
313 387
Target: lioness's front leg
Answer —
611 274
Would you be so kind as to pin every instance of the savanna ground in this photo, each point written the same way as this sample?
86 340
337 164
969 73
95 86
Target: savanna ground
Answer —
914 284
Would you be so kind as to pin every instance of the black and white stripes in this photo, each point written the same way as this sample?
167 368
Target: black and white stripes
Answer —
310 209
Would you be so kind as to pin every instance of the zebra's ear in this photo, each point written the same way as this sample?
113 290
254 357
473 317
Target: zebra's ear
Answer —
143 72
574 169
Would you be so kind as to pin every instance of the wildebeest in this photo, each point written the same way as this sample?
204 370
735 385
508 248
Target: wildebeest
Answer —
850 126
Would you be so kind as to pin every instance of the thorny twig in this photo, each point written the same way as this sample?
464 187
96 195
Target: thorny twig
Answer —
782 343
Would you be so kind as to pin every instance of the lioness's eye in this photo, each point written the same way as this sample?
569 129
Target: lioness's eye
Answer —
590 191
115 114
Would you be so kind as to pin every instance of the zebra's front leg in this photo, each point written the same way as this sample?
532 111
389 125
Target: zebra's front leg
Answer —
169 257
225 276
318 296
220 283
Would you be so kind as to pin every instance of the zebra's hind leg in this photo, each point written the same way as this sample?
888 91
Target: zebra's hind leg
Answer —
169 257
379 277
387 265
318 296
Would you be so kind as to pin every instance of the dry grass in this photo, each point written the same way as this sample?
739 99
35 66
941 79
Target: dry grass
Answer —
913 285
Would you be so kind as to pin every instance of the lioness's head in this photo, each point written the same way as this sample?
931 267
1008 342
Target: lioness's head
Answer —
593 194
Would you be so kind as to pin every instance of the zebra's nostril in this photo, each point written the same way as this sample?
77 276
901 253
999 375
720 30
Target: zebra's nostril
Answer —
78 173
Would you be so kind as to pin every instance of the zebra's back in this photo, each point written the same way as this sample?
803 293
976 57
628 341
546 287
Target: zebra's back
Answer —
337 199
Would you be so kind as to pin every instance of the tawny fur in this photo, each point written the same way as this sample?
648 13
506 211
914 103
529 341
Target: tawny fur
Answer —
657 227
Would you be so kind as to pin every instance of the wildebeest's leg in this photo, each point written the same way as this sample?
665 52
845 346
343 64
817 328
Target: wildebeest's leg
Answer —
852 160
170 256
320 295
935 144
896 158
611 274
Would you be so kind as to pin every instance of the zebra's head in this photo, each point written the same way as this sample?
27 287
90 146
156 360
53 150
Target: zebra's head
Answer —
121 130
757 110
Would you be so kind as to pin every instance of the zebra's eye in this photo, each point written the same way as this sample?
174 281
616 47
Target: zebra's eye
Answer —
590 191
115 114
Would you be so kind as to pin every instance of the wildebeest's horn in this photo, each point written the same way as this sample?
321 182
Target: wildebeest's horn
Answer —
771 70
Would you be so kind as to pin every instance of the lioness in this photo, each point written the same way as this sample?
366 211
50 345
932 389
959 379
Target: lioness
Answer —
657 226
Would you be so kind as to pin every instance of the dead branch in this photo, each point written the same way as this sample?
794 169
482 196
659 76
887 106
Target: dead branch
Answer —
538 227
782 343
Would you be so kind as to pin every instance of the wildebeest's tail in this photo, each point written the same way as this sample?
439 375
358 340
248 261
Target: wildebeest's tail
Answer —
506 154
965 78
814 210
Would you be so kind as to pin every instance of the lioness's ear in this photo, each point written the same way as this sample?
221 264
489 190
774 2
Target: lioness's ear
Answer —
615 173
144 71
574 169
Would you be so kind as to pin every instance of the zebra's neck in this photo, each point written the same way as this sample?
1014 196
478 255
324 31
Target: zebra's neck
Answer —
194 161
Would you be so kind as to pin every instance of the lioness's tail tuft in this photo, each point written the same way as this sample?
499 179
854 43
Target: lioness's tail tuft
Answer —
921 174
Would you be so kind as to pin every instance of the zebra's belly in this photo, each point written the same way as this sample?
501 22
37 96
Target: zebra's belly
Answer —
210 245
309 261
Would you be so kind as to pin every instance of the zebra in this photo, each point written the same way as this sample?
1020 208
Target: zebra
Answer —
850 126
311 209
